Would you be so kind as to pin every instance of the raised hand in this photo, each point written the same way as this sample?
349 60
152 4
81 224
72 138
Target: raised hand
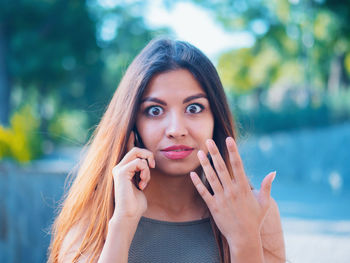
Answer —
131 202
237 211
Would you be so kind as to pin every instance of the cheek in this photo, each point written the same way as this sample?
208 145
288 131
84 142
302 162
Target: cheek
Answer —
207 127
203 130
149 132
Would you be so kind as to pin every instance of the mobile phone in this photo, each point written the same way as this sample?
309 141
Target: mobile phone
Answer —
138 143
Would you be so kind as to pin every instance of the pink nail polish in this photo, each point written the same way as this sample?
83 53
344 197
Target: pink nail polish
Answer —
273 177
192 175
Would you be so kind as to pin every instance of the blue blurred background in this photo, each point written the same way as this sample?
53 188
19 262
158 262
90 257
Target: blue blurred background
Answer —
285 66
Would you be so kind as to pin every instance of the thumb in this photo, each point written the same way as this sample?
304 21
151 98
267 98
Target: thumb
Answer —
265 189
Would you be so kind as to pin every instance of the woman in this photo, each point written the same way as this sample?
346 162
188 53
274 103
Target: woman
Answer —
162 180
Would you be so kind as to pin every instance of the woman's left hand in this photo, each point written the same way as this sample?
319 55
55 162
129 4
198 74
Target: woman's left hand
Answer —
237 211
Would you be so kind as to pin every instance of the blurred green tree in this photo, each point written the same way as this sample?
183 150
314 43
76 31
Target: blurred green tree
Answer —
43 46
297 72
298 43
66 57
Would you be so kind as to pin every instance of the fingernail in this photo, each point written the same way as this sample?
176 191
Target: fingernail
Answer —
230 142
142 185
210 142
201 155
192 175
273 177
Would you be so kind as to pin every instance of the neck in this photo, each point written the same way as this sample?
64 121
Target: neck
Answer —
173 198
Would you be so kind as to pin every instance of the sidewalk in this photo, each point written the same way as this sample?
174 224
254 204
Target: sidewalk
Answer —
309 241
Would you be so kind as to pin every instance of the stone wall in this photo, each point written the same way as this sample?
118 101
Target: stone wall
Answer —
28 198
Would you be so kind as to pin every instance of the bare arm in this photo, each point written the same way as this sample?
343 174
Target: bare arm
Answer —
116 247
118 241
71 243
130 204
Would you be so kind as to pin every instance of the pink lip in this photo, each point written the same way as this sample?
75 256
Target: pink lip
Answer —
177 152
177 147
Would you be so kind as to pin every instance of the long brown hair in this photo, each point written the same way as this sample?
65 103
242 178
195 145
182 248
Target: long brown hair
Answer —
91 193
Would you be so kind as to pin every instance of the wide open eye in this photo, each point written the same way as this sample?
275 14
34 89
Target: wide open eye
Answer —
194 108
154 111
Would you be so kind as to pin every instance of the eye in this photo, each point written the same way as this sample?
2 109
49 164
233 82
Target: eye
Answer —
154 111
194 108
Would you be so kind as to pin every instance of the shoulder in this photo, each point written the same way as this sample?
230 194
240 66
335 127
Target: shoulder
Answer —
71 243
272 235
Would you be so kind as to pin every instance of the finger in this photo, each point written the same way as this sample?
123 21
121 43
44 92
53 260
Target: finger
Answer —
236 162
149 155
137 165
139 153
202 190
209 172
219 164
145 177
265 189
131 141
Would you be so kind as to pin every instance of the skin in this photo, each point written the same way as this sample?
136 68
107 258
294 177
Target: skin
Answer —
237 212
171 189
177 123
173 195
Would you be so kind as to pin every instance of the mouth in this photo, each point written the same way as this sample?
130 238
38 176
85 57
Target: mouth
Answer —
181 150
178 148
177 152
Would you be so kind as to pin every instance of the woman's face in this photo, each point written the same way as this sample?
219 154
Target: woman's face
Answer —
174 121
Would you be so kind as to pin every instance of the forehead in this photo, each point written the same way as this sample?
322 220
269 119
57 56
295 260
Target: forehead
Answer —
175 83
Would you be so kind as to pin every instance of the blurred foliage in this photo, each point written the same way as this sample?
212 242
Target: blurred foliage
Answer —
21 141
297 43
297 72
70 126
51 46
69 56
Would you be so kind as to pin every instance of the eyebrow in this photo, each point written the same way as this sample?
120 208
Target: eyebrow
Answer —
188 99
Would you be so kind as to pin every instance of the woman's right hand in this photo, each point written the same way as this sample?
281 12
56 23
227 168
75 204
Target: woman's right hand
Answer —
130 202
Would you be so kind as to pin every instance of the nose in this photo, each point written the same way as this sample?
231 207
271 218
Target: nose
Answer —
176 127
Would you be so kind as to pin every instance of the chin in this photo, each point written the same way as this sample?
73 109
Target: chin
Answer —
177 169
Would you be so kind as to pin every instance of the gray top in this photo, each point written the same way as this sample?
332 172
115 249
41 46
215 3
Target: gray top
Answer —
174 242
